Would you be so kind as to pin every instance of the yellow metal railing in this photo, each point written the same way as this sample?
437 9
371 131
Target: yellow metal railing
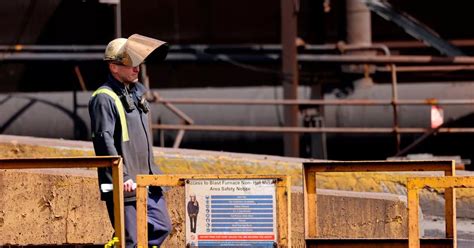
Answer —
81 162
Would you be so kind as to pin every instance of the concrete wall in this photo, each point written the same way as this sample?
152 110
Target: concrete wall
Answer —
63 207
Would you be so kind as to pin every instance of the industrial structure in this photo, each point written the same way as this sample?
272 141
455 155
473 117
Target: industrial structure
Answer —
339 90
369 73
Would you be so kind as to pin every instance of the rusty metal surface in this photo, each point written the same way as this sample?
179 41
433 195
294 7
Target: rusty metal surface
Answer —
289 22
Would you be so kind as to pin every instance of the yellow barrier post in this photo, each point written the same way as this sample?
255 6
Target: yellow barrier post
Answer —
310 170
414 185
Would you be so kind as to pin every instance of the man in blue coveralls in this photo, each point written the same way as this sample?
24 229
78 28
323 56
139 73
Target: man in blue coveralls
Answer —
119 123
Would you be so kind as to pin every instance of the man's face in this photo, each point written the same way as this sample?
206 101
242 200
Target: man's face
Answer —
125 74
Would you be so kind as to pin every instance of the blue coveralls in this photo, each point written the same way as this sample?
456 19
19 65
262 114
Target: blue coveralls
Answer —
136 151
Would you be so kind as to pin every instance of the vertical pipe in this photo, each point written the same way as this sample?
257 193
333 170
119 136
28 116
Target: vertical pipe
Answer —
289 10
118 19
358 23
119 220
393 68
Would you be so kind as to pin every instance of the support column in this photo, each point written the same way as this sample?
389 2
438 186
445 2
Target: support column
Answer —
359 25
289 20
118 19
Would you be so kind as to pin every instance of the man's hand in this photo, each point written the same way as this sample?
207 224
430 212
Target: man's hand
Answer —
128 186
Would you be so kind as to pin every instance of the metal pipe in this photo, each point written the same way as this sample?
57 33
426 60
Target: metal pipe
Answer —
174 109
270 129
118 19
289 59
262 48
435 68
360 102
182 57
353 47
358 23
394 106
393 59
419 44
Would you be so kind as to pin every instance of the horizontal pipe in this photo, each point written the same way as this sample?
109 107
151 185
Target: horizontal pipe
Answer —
194 47
435 68
271 129
393 59
270 58
420 44
363 102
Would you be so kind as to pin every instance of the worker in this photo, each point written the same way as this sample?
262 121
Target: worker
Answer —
193 210
119 122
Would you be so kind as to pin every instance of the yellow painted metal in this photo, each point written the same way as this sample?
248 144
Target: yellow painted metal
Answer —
414 184
310 169
142 226
379 166
119 221
283 198
413 228
440 182
450 208
58 162
310 204
81 162
283 195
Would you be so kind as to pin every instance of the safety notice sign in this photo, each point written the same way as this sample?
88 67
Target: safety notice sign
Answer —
230 213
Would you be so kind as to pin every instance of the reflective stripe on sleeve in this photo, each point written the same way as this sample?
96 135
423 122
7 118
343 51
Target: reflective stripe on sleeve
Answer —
121 110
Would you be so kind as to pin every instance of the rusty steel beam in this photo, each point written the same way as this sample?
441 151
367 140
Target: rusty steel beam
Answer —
271 129
289 33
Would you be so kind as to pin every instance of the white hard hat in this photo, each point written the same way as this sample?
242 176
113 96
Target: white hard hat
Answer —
134 50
